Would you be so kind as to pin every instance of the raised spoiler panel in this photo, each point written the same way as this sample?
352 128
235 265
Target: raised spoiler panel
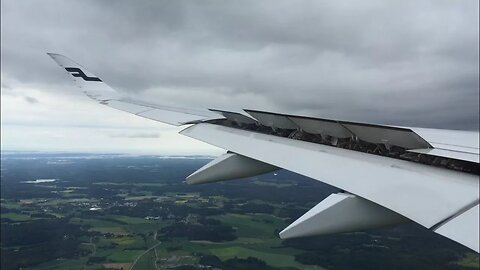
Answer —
388 135
237 117
272 120
322 127
457 150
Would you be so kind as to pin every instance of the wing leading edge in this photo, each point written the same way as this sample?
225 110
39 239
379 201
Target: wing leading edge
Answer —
392 174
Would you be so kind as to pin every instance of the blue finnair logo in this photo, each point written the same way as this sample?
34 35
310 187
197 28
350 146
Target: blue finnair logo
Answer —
76 72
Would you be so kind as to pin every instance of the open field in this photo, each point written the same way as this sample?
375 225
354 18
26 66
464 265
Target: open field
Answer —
65 264
276 260
16 217
470 260
124 255
119 266
259 225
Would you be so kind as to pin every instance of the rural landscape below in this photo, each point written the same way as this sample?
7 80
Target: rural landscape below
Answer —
91 211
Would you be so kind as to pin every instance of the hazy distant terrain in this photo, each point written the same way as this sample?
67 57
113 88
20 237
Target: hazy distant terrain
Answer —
85 211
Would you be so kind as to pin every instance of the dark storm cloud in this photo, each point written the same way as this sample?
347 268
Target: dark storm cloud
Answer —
396 62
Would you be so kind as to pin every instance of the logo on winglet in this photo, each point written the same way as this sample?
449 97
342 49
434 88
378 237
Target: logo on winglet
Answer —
76 72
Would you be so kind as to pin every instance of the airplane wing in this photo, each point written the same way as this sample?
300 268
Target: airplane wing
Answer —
390 174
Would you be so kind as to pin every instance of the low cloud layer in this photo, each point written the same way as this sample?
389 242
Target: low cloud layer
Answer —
152 135
394 62
31 100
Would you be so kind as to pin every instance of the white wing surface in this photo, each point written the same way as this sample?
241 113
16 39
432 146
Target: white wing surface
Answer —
390 174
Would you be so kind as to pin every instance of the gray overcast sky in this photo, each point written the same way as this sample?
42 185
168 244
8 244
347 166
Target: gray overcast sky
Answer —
413 63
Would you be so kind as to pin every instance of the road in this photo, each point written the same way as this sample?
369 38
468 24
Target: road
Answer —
146 251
